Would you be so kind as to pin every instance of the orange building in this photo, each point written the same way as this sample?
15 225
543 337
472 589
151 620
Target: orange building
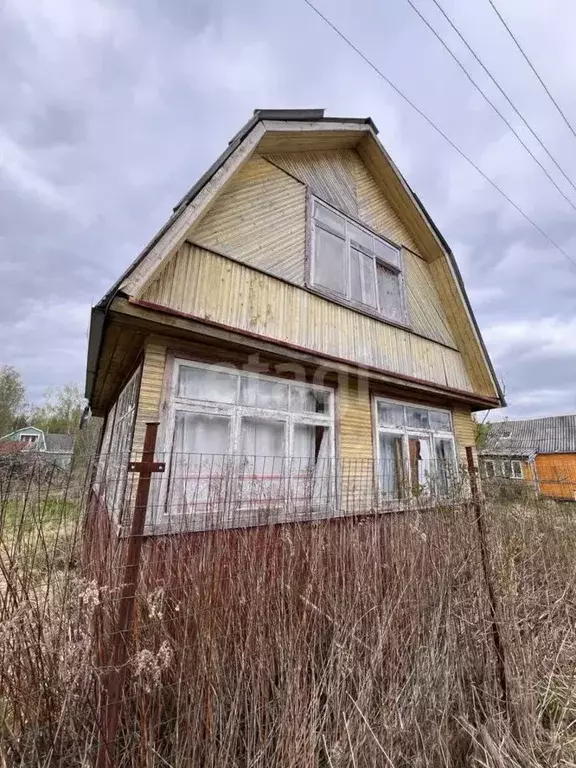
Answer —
537 451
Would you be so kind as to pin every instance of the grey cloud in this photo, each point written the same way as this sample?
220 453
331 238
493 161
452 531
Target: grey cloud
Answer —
111 113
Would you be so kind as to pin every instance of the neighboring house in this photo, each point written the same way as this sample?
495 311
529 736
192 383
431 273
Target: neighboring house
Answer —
300 330
538 451
58 448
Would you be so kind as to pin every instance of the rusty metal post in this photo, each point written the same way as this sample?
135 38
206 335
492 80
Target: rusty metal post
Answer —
114 681
478 510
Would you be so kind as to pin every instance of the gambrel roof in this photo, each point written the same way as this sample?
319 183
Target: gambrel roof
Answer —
552 434
277 131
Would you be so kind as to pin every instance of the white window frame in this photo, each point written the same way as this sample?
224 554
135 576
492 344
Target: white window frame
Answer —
485 463
112 470
406 432
346 298
160 518
516 464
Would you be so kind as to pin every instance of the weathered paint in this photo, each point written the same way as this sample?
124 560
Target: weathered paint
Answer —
329 175
210 286
354 417
461 328
259 219
464 432
556 473
151 391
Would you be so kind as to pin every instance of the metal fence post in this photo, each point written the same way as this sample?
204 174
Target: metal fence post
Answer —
114 682
478 510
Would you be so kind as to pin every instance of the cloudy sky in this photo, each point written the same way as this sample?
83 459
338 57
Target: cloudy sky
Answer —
111 110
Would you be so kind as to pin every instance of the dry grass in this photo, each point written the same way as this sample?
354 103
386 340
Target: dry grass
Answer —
343 645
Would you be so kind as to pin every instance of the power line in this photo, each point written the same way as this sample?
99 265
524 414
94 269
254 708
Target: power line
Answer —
439 131
533 68
504 94
491 103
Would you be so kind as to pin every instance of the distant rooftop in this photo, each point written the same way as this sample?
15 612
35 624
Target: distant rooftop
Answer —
552 434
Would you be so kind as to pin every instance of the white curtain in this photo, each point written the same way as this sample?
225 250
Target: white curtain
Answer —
199 478
391 466
262 462
311 471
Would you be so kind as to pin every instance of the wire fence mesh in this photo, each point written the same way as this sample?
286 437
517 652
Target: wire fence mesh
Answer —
351 635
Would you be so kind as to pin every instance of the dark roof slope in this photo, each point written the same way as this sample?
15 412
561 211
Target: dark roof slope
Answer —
59 443
552 434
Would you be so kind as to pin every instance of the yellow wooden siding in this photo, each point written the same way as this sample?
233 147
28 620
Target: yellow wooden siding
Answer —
260 219
461 327
425 310
330 175
151 391
464 432
214 288
375 210
354 421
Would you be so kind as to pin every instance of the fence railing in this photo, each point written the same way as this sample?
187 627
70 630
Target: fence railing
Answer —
307 644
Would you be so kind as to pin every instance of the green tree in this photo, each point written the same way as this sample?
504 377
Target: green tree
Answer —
12 398
482 428
61 410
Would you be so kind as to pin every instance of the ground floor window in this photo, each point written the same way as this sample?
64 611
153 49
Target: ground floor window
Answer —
112 472
510 469
242 446
416 453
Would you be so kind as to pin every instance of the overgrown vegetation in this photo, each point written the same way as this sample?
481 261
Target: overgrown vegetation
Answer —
354 643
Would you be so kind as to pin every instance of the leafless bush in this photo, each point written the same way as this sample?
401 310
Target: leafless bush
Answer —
362 641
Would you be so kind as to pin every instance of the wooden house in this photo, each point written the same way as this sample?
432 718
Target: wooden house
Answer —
540 452
54 447
301 332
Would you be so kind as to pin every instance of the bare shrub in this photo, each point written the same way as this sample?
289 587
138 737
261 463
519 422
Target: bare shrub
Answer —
343 644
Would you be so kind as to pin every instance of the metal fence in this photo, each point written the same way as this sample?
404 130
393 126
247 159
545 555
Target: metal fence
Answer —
273 615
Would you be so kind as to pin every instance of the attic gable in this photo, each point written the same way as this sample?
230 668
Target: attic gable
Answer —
342 162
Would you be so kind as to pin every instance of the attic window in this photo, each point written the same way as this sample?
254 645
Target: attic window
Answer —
352 264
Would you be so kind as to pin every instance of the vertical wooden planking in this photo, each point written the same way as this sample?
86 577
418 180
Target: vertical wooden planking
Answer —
220 290
328 174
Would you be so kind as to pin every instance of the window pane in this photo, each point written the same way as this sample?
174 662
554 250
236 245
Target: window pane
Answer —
262 464
329 261
355 275
263 393
390 414
206 384
506 469
489 468
308 400
198 476
516 469
368 287
361 237
391 465
445 463
387 252
330 218
417 418
310 470
440 421
389 292
419 451
261 437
